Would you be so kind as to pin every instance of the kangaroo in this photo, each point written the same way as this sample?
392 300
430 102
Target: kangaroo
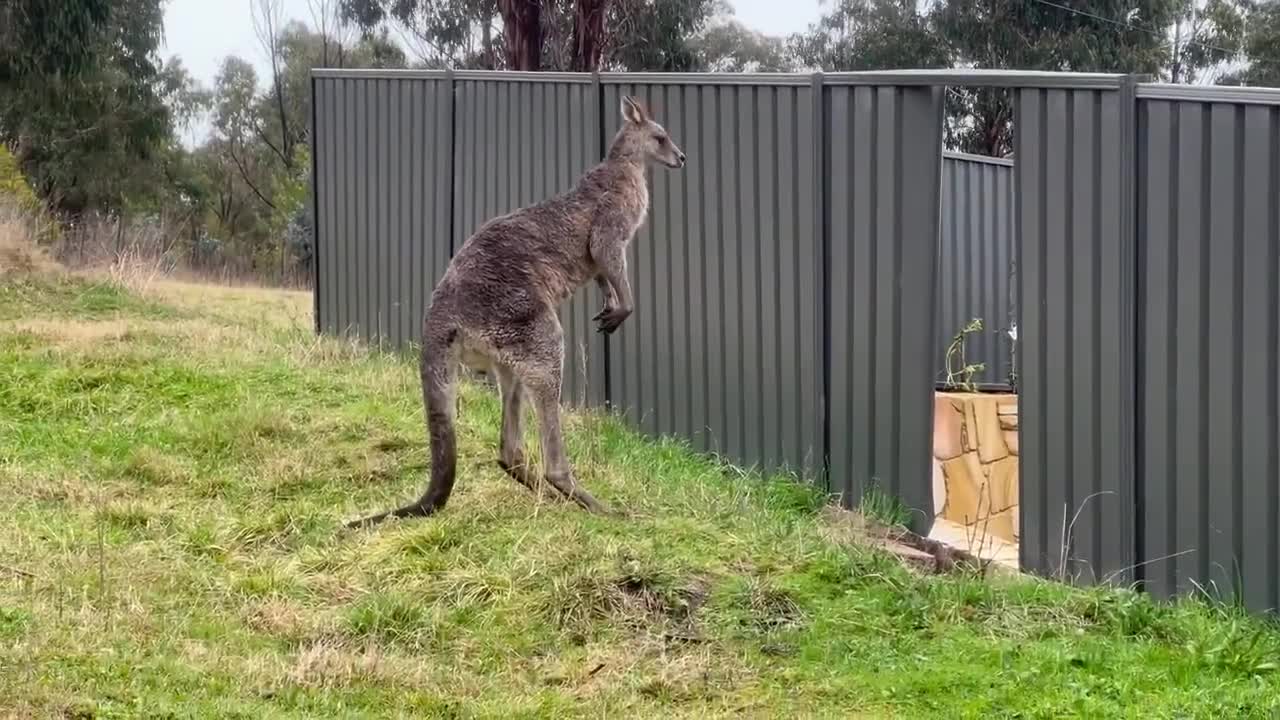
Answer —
495 308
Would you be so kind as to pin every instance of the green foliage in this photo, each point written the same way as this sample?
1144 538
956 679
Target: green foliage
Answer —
1261 47
13 622
456 33
884 507
85 121
1090 36
1130 36
658 35
960 372
291 190
729 46
49 38
13 184
640 35
871 35
1211 35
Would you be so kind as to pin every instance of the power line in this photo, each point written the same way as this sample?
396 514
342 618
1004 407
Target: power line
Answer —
1130 26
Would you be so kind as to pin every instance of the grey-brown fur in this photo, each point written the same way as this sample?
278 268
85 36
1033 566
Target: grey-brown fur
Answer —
495 309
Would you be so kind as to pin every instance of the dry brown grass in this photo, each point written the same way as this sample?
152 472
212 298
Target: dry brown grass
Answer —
330 663
139 250
19 251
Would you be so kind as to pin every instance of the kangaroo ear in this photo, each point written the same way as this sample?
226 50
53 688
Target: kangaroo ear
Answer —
632 111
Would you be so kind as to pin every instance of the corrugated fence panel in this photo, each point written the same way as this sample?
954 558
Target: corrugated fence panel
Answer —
725 345
884 169
519 142
1209 228
1076 362
976 257
382 192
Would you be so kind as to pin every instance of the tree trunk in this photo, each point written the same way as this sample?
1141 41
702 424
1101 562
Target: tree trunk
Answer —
486 49
522 33
588 34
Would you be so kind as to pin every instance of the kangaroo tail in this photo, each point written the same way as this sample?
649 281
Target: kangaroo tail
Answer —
438 381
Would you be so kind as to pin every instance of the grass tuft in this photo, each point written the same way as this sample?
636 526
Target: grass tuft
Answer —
390 617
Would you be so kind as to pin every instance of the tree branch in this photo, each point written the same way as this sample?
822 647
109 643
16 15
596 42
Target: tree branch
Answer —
244 175
262 135
266 23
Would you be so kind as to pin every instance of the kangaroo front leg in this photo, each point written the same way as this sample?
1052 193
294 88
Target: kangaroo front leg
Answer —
610 297
612 259
558 472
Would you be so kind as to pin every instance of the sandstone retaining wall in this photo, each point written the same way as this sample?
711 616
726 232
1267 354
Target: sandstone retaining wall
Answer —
975 462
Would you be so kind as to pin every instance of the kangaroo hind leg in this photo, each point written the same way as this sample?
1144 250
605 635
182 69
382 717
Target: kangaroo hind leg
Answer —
545 392
558 472
537 361
511 456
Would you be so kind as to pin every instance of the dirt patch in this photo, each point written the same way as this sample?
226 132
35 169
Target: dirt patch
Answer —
770 608
636 597
918 553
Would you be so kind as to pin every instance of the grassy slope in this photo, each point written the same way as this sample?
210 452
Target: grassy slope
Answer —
175 469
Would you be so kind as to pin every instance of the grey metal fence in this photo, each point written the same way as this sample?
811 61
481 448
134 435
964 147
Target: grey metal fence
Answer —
976 275
1076 293
885 156
382 149
796 280
1208 483
727 350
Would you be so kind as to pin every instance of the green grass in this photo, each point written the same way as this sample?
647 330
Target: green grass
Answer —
175 470
884 508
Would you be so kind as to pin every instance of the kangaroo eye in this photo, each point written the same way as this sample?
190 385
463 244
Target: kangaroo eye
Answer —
661 140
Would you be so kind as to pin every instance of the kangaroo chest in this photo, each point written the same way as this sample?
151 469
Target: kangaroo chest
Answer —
641 210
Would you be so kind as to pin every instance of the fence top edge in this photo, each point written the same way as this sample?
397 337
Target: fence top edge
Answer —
524 76
379 73
1209 93
415 74
1033 79
984 159
706 78
907 78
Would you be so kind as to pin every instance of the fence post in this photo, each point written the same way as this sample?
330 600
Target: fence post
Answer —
315 216
1130 421
598 89
452 89
822 147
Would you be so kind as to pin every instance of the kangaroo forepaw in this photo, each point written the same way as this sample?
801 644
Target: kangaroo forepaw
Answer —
610 318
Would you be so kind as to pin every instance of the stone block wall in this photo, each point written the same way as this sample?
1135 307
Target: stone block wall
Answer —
975 463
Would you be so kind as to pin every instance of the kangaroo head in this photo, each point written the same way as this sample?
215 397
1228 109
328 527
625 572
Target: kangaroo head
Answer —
640 137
